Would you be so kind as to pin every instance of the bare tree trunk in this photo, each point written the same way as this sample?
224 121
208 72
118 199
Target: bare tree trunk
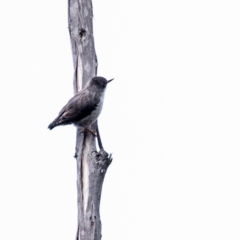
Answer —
91 165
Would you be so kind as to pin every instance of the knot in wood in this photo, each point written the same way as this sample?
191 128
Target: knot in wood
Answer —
82 33
92 221
102 159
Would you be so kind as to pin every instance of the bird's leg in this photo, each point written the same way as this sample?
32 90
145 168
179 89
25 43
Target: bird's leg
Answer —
89 130
94 133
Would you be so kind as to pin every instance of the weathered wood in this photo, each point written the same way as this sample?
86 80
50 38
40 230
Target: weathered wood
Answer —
91 165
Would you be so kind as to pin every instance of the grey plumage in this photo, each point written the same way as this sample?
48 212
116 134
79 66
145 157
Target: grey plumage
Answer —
84 108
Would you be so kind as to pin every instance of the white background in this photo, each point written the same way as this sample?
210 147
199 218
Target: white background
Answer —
171 119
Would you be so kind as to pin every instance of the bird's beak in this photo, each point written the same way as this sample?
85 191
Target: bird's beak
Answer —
110 80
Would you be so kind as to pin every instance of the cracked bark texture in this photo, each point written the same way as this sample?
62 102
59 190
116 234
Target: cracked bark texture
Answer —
91 165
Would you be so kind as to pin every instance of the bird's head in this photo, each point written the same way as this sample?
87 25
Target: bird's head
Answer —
99 82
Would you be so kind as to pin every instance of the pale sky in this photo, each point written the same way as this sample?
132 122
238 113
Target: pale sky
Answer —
171 119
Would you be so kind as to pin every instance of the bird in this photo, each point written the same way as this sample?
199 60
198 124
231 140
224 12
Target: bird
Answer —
83 108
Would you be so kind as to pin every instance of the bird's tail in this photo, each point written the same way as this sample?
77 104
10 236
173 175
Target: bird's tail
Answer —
53 124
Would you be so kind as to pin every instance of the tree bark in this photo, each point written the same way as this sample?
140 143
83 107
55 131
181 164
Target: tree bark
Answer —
91 165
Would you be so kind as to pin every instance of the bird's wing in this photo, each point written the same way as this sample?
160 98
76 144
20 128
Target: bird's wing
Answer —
77 108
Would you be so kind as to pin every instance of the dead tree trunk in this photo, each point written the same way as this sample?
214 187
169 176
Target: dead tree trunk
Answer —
91 165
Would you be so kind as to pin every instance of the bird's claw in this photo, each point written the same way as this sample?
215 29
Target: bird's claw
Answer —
94 133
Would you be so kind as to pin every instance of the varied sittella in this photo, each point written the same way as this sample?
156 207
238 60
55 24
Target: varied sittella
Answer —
84 108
